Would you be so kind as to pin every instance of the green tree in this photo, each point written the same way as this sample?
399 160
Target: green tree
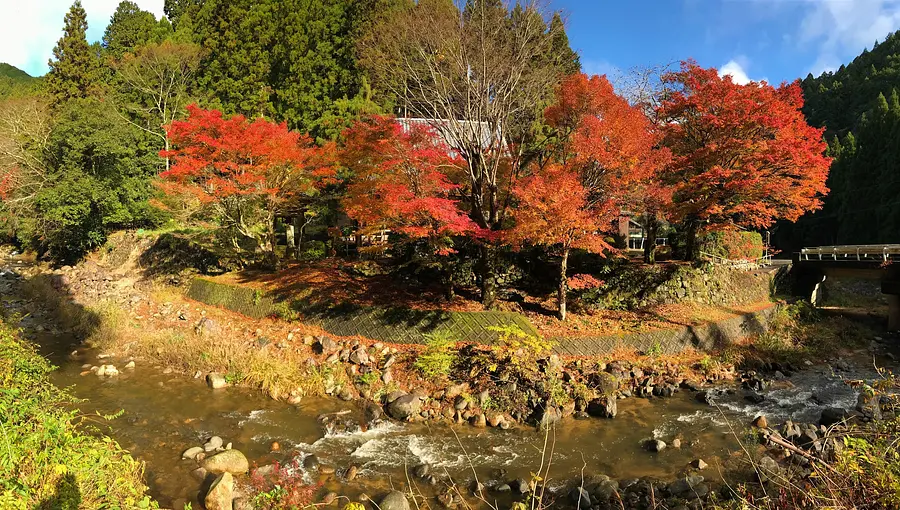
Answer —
74 69
97 170
129 28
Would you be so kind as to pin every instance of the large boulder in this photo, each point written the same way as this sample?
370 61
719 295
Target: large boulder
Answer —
394 501
221 493
405 407
228 461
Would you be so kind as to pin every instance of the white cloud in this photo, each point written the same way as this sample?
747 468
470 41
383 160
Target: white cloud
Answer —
738 75
29 29
842 28
736 68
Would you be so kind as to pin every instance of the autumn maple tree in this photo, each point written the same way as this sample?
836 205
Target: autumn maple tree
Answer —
555 210
240 168
602 146
743 155
402 180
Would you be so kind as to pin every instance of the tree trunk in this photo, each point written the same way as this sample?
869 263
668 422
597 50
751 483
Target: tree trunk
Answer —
488 277
563 266
652 229
690 245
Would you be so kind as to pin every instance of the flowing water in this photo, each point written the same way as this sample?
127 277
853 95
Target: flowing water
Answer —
164 414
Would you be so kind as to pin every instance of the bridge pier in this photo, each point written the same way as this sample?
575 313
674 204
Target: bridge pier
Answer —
893 312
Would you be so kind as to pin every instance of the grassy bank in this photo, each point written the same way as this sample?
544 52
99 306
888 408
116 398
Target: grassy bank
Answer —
49 460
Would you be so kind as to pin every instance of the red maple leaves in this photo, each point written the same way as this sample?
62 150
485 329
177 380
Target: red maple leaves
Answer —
744 155
403 180
215 157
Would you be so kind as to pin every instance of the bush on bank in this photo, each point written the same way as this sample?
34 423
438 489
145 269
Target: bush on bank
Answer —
46 459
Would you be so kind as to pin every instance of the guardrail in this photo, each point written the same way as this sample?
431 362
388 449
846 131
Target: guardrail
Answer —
861 252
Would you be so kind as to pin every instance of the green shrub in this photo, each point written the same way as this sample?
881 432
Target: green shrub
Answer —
439 355
46 460
313 250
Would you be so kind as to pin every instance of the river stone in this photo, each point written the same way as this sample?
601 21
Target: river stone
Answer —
699 464
760 422
404 407
604 407
869 406
311 463
221 493
684 486
833 415
394 395
130 364
372 412
605 490
395 500
655 445
478 421
456 389
580 498
228 461
549 417
214 443
522 486
329 498
191 453
242 503
769 469
216 381
351 473
421 471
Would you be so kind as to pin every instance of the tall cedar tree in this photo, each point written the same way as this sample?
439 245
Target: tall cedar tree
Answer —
555 210
239 166
74 69
291 59
129 28
743 155
403 180
476 74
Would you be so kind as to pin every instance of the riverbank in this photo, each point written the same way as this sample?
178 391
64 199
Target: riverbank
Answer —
477 392
50 459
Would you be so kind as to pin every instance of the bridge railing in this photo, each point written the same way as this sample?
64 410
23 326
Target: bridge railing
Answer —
851 252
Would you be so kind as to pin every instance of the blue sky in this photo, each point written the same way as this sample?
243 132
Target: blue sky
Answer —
775 40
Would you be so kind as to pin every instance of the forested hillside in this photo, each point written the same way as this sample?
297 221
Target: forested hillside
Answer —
860 108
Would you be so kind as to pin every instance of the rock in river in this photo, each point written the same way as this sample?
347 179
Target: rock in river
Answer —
191 453
604 407
228 461
394 501
404 407
213 444
655 445
221 493
215 381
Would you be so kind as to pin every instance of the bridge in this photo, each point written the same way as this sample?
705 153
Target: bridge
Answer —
811 266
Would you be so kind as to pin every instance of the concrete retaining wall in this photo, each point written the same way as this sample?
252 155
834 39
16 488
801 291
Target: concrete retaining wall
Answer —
671 341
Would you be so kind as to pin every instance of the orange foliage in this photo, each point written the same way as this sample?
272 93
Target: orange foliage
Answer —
403 181
743 154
